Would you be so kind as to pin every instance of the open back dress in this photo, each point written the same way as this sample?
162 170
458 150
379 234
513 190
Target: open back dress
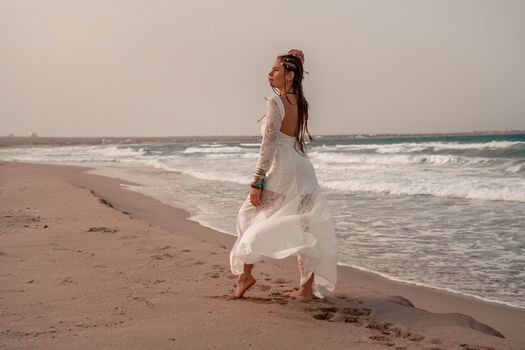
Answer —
294 218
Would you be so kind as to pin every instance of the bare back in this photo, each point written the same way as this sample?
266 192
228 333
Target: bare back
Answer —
289 123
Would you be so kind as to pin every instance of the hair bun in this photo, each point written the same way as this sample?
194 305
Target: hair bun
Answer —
297 53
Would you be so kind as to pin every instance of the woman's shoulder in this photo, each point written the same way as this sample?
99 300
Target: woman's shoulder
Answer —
274 98
278 101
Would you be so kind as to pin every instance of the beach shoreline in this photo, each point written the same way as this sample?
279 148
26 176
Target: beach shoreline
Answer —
28 141
426 320
123 173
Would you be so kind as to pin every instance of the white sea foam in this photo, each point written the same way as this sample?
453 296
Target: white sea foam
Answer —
516 168
232 156
421 284
218 176
409 147
437 159
222 149
212 145
471 189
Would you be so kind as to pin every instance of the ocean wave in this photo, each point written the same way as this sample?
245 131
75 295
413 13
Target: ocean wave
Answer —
212 145
250 155
221 149
216 176
116 151
76 154
411 147
456 189
516 168
351 158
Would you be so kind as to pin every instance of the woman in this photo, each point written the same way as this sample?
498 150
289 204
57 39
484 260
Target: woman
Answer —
286 212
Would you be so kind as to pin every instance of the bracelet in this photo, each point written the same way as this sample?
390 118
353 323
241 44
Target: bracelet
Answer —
258 184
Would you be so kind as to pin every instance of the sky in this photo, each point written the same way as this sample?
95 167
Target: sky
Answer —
181 68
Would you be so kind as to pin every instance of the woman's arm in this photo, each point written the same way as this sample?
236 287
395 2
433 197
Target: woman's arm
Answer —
269 140
268 147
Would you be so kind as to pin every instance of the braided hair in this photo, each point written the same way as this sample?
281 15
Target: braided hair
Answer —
292 63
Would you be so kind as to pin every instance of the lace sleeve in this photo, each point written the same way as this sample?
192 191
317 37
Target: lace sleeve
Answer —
269 140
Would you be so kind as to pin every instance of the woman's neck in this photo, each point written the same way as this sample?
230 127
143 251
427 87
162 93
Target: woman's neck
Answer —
290 91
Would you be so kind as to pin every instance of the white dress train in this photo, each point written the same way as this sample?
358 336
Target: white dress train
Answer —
294 218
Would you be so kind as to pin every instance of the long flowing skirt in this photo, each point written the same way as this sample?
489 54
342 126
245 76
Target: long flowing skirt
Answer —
294 219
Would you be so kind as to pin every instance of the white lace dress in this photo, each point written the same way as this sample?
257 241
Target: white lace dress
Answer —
294 218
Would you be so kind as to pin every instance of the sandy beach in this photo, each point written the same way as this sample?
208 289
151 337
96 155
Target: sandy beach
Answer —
86 264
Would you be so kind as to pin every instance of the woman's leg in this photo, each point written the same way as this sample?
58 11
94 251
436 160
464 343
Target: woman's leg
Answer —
245 281
305 289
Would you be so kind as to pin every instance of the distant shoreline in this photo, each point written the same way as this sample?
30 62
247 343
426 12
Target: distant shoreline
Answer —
13 141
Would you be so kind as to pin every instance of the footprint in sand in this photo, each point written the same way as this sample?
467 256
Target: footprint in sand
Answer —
335 314
100 266
67 280
219 267
212 274
385 340
161 248
349 299
362 317
56 246
401 331
257 300
102 229
262 287
476 347
142 299
157 281
162 256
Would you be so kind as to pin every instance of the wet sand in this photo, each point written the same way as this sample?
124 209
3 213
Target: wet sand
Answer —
85 263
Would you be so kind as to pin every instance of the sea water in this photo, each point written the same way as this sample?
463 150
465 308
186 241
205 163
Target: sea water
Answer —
442 211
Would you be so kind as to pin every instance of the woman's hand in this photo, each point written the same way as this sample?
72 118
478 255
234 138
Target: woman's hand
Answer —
255 196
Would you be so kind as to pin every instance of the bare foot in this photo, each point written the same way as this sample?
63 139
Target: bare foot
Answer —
243 283
301 292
